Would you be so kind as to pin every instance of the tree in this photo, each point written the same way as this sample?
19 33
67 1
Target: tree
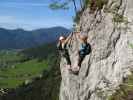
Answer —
64 4
81 4
74 3
56 5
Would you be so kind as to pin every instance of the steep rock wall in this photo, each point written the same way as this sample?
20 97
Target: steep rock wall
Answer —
111 60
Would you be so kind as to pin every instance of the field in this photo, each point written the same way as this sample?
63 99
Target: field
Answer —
15 69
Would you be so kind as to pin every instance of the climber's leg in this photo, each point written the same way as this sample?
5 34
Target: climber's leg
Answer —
80 59
75 66
78 62
68 61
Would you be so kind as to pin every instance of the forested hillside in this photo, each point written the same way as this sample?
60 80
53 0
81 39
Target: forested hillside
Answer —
20 39
34 66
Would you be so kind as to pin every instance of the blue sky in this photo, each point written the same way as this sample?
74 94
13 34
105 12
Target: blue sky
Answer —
32 14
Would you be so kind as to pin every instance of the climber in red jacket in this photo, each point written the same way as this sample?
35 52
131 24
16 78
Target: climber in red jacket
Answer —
62 48
84 50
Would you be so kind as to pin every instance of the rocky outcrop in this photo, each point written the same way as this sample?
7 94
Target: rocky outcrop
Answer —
110 32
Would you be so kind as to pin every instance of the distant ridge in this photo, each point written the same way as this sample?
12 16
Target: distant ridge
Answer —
20 38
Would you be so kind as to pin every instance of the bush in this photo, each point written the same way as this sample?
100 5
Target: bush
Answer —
100 3
95 4
77 17
118 18
125 90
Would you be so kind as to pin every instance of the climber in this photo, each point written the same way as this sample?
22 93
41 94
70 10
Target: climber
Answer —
62 48
84 50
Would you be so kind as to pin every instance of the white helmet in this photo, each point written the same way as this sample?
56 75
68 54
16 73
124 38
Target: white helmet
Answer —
61 38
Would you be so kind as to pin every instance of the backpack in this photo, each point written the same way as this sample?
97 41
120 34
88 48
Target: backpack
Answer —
85 49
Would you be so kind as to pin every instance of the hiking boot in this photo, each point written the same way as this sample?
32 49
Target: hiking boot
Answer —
75 70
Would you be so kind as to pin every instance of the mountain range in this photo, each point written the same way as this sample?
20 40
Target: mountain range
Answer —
20 38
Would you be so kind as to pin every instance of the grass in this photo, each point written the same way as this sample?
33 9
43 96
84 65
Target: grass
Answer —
131 45
10 83
12 77
41 61
97 3
17 67
125 89
10 56
29 67
118 18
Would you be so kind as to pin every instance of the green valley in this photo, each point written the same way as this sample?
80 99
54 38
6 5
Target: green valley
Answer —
16 75
19 67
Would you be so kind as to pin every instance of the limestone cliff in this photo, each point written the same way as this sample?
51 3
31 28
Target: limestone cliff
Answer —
110 32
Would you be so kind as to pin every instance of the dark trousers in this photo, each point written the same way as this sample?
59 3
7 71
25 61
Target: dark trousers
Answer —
81 58
65 54
67 57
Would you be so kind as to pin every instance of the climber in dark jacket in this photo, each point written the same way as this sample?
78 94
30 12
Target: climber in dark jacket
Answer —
62 48
84 49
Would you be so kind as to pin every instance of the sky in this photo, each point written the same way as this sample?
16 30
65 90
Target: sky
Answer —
33 14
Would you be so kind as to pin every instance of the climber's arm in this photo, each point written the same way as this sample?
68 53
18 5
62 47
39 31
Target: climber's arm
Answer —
68 38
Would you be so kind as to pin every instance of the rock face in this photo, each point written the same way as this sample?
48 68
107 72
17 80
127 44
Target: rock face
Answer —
110 32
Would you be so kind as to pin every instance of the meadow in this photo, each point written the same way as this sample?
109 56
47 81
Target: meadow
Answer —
15 69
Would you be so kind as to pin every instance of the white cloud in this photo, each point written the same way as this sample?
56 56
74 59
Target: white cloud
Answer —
7 18
13 19
17 4
13 22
